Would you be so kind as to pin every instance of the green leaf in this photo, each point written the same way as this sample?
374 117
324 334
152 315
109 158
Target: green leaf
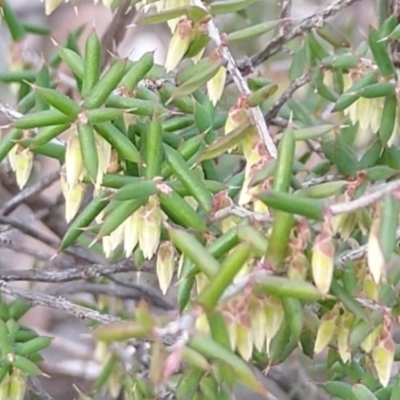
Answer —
194 13
285 287
342 156
209 348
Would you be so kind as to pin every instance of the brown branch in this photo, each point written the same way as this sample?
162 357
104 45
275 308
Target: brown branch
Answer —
376 194
286 8
77 252
287 94
67 275
313 21
58 303
116 30
240 83
28 193
146 290
155 299
62 261
36 388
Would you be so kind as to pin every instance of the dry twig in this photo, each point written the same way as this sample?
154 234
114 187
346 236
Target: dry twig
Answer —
58 303
240 83
313 21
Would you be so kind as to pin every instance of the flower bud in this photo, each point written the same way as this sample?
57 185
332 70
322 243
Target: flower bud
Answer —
369 342
298 266
12 157
256 160
112 241
150 230
73 160
274 315
17 385
73 198
132 227
375 257
202 323
258 324
244 341
326 330
216 85
237 116
322 262
366 112
21 162
51 5
370 288
201 282
343 335
179 43
104 156
4 387
383 352
170 5
165 265
221 201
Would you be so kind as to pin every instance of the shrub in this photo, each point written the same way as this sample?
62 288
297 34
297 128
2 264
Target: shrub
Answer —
273 210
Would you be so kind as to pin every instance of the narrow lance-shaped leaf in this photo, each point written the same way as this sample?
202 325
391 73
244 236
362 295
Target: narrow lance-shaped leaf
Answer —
388 226
290 203
154 148
88 148
41 119
92 62
209 348
124 147
195 251
252 31
226 142
180 211
104 87
194 184
282 225
281 287
235 260
138 71
192 84
229 6
380 52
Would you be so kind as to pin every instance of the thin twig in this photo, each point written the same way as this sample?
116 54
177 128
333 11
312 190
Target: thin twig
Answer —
68 275
28 192
119 292
58 303
319 180
61 262
146 290
241 212
286 8
376 194
358 253
9 112
287 94
116 30
36 387
83 254
313 21
240 83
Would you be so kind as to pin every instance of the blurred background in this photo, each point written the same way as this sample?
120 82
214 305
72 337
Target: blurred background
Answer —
71 359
